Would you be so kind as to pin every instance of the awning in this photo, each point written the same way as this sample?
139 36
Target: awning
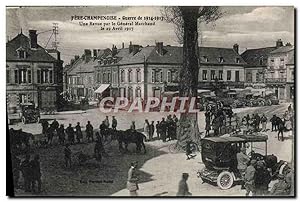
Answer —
102 88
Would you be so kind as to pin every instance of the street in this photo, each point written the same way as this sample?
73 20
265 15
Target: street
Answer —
160 170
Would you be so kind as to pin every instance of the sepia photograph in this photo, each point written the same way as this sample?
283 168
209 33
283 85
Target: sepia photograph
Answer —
150 101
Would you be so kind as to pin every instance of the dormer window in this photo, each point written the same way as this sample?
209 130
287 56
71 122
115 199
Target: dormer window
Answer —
221 59
100 62
261 61
237 60
21 53
205 58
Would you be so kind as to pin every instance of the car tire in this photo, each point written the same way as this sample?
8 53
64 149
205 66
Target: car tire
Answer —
23 120
225 180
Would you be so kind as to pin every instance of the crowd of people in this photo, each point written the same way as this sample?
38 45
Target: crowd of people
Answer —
257 177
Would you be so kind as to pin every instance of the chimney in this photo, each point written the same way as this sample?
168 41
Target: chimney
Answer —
159 47
279 43
114 50
130 47
87 55
236 48
33 39
135 49
95 53
123 46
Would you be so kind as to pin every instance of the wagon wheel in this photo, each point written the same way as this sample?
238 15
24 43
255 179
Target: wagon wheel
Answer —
23 120
225 180
194 147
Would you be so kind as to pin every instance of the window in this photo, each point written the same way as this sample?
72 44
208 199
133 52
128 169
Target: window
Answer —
22 54
70 79
29 76
157 76
213 74
237 76
220 74
228 75
261 61
204 75
237 60
153 76
129 75
138 92
161 76
108 78
114 77
281 61
292 75
16 76
104 77
169 76
51 76
221 59
22 76
38 72
205 58
7 76
122 75
138 75
248 76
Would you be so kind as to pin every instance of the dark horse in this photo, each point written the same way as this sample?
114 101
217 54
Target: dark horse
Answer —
130 136
18 138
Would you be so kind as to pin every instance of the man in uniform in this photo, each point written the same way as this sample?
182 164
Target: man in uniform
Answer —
70 134
68 154
249 178
55 125
274 122
103 128
79 135
163 129
157 130
114 123
183 189
36 171
45 125
61 134
89 131
132 180
242 161
106 122
151 130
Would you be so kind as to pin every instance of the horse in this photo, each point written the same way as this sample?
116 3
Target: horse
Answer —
18 138
130 136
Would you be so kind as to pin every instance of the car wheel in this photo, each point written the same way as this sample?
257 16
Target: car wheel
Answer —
225 180
23 120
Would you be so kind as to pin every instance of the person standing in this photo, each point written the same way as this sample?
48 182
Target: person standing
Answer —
103 128
79 135
157 130
61 134
274 122
70 134
163 129
45 126
242 161
114 123
262 179
68 156
264 123
146 129
89 131
132 126
151 130
132 180
249 178
26 172
55 125
183 189
106 122
280 129
36 171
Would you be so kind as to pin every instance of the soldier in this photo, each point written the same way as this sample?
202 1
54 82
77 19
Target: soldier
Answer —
114 123
79 135
242 161
132 180
249 178
36 171
280 188
26 172
99 149
68 154
146 129
45 126
61 134
103 128
274 122
89 131
264 123
70 134
163 128
183 189
280 129
55 125
106 122
151 130
132 126
157 127
262 179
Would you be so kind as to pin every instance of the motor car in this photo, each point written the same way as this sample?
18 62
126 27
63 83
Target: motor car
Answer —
219 157
30 114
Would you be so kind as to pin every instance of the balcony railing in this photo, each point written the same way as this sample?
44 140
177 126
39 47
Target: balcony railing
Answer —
275 80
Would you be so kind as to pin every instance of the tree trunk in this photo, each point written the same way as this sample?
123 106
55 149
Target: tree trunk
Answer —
188 127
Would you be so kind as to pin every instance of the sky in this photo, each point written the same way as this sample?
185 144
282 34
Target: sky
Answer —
250 27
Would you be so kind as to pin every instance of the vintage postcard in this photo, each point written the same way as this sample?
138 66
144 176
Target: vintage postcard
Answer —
150 101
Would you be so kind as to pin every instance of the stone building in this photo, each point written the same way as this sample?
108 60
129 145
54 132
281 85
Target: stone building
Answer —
33 74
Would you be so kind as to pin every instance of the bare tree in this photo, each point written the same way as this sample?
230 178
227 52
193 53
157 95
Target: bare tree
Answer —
186 20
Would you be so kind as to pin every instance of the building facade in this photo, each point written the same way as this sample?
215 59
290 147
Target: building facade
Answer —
33 74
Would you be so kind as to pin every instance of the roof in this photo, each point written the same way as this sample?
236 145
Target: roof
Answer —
283 49
83 66
225 139
34 55
239 138
252 56
129 58
291 60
